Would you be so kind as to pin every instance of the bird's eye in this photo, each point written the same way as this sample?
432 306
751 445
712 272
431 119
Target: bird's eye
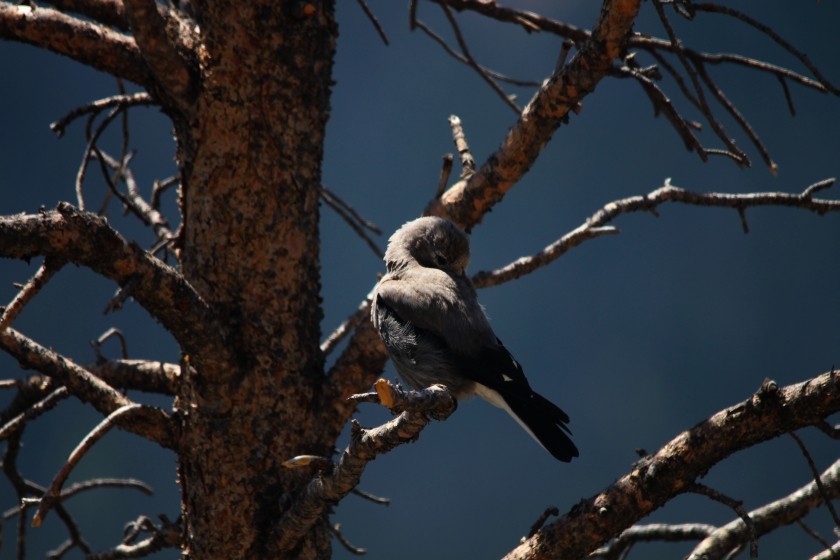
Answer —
440 259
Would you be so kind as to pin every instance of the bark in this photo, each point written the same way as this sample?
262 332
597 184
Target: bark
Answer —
251 160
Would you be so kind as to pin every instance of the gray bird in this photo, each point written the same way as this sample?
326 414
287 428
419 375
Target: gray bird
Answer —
427 314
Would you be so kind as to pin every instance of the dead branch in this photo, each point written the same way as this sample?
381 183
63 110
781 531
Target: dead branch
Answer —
328 488
595 225
346 327
652 532
166 535
171 71
772 411
467 201
151 376
46 271
33 411
53 492
354 219
373 20
108 12
86 239
96 107
150 423
85 42
734 535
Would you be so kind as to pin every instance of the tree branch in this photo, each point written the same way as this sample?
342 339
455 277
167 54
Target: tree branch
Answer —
784 511
107 12
148 422
595 225
86 239
467 201
417 409
85 42
674 468
171 71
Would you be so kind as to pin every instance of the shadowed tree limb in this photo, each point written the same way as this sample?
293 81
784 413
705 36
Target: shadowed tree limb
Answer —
416 409
771 412
151 423
107 12
85 42
86 239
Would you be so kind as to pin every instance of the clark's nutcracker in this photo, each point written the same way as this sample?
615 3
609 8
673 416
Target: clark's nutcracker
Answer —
427 313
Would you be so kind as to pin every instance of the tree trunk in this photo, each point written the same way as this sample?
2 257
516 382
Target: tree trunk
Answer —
251 164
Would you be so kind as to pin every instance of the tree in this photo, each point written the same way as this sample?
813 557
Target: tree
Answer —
248 90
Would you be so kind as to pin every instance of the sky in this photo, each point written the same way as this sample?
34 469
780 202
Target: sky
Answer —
637 336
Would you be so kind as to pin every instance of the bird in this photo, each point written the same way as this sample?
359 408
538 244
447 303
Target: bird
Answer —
426 311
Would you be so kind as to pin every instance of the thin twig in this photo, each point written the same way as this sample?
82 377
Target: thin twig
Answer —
32 412
736 505
47 270
348 546
460 139
595 225
53 492
353 219
96 107
445 172
372 17
346 327
817 478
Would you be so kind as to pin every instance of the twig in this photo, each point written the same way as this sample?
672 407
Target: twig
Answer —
52 494
816 536
345 328
365 445
538 524
110 333
96 107
445 172
370 497
32 412
472 63
348 546
661 532
47 270
372 17
460 139
595 225
416 23
356 222
735 505
167 535
817 478
783 511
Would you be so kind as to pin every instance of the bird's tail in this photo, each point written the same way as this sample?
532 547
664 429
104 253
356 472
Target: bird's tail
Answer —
544 420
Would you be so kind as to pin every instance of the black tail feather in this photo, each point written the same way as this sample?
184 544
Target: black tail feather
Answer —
546 422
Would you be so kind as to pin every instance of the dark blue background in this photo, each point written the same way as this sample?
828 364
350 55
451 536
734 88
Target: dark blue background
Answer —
637 336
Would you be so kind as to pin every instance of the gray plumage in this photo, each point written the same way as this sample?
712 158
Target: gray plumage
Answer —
427 314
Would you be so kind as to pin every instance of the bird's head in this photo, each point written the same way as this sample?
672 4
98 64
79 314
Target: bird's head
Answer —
431 242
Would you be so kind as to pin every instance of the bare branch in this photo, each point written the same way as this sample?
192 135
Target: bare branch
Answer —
327 489
460 139
140 375
171 71
96 107
660 532
345 328
772 411
595 225
372 17
52 494
784 511
85 42
167 535
87 239
153 424
355 220
46 271
108 12
467 201
40 407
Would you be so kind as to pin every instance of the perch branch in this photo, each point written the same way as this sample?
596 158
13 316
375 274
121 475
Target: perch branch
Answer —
770 412
46 271
595 225
416 408
86 42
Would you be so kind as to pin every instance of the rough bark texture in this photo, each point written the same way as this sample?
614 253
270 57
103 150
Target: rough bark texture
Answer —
250 202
